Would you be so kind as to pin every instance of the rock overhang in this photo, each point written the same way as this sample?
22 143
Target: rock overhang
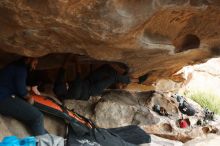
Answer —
150 36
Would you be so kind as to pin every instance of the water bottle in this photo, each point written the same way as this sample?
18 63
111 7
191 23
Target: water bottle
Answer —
10 141
28 141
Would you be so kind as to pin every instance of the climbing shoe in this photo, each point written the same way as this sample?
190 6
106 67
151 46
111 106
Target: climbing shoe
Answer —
184 106
160 110
187 109
209 115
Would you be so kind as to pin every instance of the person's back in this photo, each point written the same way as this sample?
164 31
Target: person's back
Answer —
10 77
95 83
92 85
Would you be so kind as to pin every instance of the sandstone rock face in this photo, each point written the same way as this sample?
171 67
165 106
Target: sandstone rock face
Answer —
122 108
142 34
10 126
4 128
167 86
212 140
158 141
202 77
110 114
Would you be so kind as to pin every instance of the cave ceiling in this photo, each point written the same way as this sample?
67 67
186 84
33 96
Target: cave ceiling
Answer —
150 36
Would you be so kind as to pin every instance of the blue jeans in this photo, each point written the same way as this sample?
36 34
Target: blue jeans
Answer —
24 112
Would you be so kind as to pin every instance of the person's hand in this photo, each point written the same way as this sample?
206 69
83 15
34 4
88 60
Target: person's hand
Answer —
28 88
35 90
30 100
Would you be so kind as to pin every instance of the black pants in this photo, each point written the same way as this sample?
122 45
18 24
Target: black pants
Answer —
96 137
92 85
24 112
59 88
104 77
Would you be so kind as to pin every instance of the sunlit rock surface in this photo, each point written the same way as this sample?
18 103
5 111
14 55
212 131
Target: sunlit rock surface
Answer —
158 141
150 36
212 140
202 77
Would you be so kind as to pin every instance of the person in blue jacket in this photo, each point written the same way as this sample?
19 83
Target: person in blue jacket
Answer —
13 94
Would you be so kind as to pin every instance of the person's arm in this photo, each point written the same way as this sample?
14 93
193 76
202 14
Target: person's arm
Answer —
77 68
35 90
60 78
20 82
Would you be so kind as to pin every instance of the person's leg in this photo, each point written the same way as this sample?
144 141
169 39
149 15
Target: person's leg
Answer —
98 87
102 72
22 111
75 89
132 134
60 78
59 88
105 72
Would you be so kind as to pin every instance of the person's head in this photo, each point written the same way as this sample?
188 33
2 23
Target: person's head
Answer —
32 62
